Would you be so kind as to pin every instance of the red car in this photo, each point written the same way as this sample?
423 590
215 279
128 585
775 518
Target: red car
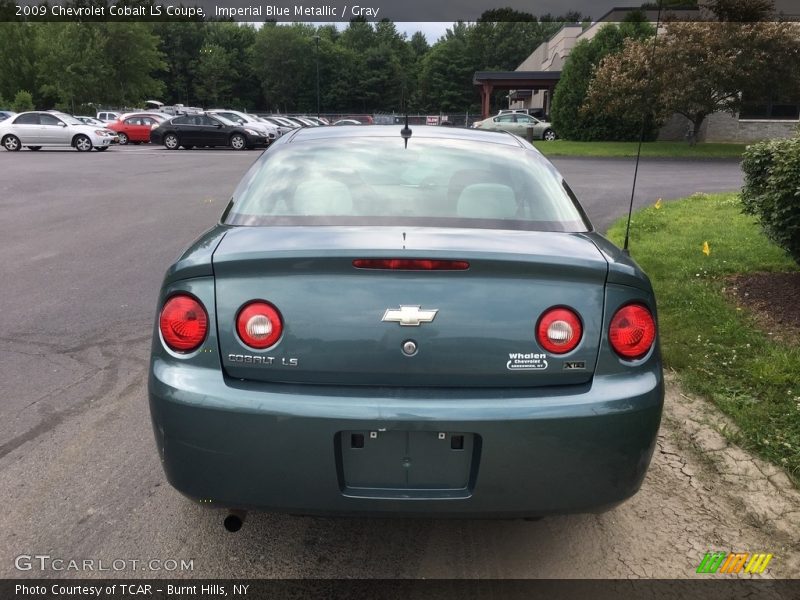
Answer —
134 128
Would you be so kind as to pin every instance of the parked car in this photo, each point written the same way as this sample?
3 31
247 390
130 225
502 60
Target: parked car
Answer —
107 116
96 122
347 122
395 322
316 120
284 127
135 128
300 122
158 116
268 129
89 120
4 114
518 124
39 128
206 130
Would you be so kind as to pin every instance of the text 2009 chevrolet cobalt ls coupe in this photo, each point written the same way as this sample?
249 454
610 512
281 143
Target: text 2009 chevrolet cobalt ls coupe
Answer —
430 329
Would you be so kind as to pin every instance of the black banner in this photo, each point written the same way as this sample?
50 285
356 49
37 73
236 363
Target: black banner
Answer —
320 11
712 588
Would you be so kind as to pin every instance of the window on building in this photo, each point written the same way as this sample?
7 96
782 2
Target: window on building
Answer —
770 109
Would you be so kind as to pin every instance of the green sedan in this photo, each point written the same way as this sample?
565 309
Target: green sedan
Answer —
418 322
518 124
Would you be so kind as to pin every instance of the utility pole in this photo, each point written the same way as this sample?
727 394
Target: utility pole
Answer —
316 39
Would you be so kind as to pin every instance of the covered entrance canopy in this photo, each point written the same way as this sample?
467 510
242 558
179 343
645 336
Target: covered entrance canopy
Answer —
488 81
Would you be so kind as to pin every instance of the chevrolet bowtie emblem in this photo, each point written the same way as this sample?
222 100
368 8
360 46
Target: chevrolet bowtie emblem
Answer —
409 316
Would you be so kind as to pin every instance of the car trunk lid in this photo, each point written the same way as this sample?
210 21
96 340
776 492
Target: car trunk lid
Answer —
349 326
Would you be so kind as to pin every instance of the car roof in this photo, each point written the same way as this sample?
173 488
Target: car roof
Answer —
419 131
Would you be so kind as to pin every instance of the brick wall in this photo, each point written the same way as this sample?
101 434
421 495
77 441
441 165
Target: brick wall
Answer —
724 127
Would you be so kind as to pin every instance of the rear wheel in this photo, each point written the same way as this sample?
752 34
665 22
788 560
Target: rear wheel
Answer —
123 139
549 135
82 143
238 142
171 141
34 148
11 143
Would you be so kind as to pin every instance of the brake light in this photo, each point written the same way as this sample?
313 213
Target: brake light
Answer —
410 264
259 325
559 330
632 331
183 323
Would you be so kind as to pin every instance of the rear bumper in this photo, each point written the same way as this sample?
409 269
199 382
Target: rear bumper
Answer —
276 447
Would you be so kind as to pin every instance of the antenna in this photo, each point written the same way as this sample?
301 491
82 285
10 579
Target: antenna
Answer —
405 132
641 134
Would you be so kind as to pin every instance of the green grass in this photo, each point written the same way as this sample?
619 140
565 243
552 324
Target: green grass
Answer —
717 349
649 149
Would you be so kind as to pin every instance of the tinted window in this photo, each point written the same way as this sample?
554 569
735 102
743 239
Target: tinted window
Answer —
29 119
180 121
505 119
46 119
433 182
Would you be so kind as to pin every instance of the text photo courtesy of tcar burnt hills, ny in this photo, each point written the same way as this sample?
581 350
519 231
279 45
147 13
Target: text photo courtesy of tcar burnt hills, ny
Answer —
463 299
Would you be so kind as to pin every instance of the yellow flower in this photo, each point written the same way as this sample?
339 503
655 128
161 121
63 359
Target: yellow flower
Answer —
706 249
658 204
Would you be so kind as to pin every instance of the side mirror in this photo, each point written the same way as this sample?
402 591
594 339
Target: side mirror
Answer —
240 122
218 125
62 124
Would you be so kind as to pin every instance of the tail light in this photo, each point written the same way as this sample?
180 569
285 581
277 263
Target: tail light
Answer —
411 264
183 323
259 325
559 330
632 331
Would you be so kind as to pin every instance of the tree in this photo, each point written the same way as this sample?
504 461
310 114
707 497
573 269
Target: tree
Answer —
180 44
214 79
741 11
570 94
132 59
234 42
22 101
698 69
503 45
283 61
18 57
72 68
446 76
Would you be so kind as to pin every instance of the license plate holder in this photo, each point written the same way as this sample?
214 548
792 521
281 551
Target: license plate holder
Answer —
407 463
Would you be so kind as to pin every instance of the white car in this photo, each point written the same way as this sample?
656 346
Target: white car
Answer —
107 116
36 129
268 129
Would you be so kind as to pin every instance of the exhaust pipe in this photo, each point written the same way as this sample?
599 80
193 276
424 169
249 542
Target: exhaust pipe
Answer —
234 521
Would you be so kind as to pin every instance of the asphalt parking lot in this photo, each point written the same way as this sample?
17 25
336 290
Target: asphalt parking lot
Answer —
85 241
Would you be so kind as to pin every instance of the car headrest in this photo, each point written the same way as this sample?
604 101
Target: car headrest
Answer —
322 197
487 201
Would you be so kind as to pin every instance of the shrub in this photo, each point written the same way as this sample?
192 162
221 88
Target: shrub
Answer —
772 191
22 101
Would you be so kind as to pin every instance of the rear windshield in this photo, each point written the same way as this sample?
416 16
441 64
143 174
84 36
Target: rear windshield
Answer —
433 182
